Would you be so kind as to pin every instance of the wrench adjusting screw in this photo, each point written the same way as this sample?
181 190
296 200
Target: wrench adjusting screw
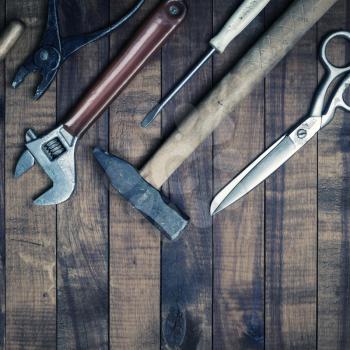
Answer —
54 149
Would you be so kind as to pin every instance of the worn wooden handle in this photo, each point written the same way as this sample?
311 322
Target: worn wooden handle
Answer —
146 41
237 84
9 37
242 17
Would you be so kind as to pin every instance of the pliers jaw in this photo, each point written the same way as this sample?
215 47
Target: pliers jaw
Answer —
46 61
53 50
47 58
26 68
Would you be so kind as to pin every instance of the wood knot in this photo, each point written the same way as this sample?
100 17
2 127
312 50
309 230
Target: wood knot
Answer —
175 327
255 328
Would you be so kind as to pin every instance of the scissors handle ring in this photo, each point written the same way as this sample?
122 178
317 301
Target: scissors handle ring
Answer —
337 101
334 70
332 73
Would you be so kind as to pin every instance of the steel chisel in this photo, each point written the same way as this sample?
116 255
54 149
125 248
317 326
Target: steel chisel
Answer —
241 18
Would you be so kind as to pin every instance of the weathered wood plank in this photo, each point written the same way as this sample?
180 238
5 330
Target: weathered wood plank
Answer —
334 211
2 187
291 207
82 222
30 230
134 243
238 296
187 263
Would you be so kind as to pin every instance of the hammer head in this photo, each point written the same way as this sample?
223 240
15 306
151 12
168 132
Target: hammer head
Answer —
55 153
142 195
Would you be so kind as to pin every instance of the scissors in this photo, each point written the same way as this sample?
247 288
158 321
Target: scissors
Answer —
283 149
54 50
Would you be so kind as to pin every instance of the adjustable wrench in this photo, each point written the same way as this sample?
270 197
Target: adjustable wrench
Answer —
55 152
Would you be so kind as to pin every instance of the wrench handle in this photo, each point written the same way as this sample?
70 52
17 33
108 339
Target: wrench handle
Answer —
147 40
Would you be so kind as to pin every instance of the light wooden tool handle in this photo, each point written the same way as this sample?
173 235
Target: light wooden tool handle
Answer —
242 17
9 37
237 84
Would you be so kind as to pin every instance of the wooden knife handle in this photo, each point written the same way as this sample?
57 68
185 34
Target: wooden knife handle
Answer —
238 83
150 37
9 37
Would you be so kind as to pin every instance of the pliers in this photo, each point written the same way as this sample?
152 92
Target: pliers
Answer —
54 50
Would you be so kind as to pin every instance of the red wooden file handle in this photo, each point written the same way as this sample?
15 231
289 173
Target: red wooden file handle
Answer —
146 41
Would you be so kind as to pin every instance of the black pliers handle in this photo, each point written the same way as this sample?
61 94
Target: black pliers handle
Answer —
54 50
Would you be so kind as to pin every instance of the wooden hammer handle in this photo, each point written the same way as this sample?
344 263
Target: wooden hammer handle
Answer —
148 39
9 37
237 84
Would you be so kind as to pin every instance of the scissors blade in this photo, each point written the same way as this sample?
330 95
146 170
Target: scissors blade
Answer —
257 172
266 164
254 174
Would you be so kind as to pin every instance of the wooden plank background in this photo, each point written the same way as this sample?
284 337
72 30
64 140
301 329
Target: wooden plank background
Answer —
270 272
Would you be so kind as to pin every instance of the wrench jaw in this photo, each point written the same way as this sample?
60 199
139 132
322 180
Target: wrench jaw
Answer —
60 192
55 153
24 164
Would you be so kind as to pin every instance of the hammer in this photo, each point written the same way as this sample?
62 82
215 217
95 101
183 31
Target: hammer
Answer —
142 189
9 37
